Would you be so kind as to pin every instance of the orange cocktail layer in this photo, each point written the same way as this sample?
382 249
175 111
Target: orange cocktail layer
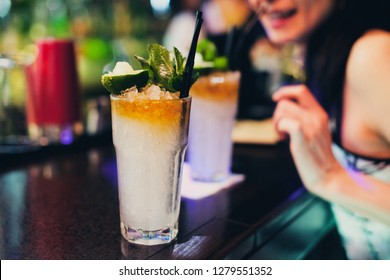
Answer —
221 87
152 111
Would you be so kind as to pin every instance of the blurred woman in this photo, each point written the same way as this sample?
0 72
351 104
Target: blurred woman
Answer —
345 46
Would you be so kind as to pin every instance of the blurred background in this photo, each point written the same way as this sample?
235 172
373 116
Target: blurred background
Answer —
108 30
100 28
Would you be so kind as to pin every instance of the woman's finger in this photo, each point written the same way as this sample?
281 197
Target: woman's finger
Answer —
298 93
288 109
291 127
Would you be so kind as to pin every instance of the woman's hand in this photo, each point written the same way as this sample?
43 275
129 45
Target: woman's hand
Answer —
299 116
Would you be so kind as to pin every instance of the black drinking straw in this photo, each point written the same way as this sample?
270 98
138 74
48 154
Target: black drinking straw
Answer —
236 39
187 76
230 46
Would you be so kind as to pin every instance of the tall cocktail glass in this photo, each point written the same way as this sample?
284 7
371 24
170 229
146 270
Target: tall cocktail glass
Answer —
150 139
214 108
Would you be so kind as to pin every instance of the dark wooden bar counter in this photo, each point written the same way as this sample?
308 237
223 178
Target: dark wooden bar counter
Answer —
63 204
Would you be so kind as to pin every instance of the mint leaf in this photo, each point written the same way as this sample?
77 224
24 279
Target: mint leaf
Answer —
207 49
165 68
210 60
161 63
179 59
145 65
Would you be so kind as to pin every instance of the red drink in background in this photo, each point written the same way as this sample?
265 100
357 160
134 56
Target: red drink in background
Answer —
54 92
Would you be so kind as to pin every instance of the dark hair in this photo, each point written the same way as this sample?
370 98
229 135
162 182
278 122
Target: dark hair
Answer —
330 44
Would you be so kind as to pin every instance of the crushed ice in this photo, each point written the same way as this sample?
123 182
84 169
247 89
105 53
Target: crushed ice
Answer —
150 92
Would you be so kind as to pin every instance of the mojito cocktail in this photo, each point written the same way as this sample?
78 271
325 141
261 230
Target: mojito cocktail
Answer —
150 139
150 123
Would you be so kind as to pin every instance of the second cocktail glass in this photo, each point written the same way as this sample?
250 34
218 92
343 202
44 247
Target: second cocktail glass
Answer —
213 113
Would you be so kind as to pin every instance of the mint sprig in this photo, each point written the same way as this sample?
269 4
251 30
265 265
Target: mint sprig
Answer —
208 51
165 69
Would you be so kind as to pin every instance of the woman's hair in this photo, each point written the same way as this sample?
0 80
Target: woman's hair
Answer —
330 44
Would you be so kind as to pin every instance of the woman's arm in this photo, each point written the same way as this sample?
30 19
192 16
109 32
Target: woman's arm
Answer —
299 116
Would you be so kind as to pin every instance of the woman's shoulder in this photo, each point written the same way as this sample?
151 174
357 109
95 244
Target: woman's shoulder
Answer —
367 82
375 39
369 60
374 44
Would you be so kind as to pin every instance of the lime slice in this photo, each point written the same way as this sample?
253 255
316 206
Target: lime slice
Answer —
115 83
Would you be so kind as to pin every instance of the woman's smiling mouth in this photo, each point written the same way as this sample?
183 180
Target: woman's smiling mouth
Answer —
282 14
278 18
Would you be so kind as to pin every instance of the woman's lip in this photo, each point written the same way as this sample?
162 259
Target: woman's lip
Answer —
278 18
270 11
277 23
283 13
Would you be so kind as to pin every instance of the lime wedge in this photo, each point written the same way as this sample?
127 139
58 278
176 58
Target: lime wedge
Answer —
115 83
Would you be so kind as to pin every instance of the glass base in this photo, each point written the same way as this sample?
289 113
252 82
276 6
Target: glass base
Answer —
146 237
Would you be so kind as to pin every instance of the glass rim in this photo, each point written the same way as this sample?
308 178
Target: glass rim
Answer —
120 97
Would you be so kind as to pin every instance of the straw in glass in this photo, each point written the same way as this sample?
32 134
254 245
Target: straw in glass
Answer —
187 76
236 38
